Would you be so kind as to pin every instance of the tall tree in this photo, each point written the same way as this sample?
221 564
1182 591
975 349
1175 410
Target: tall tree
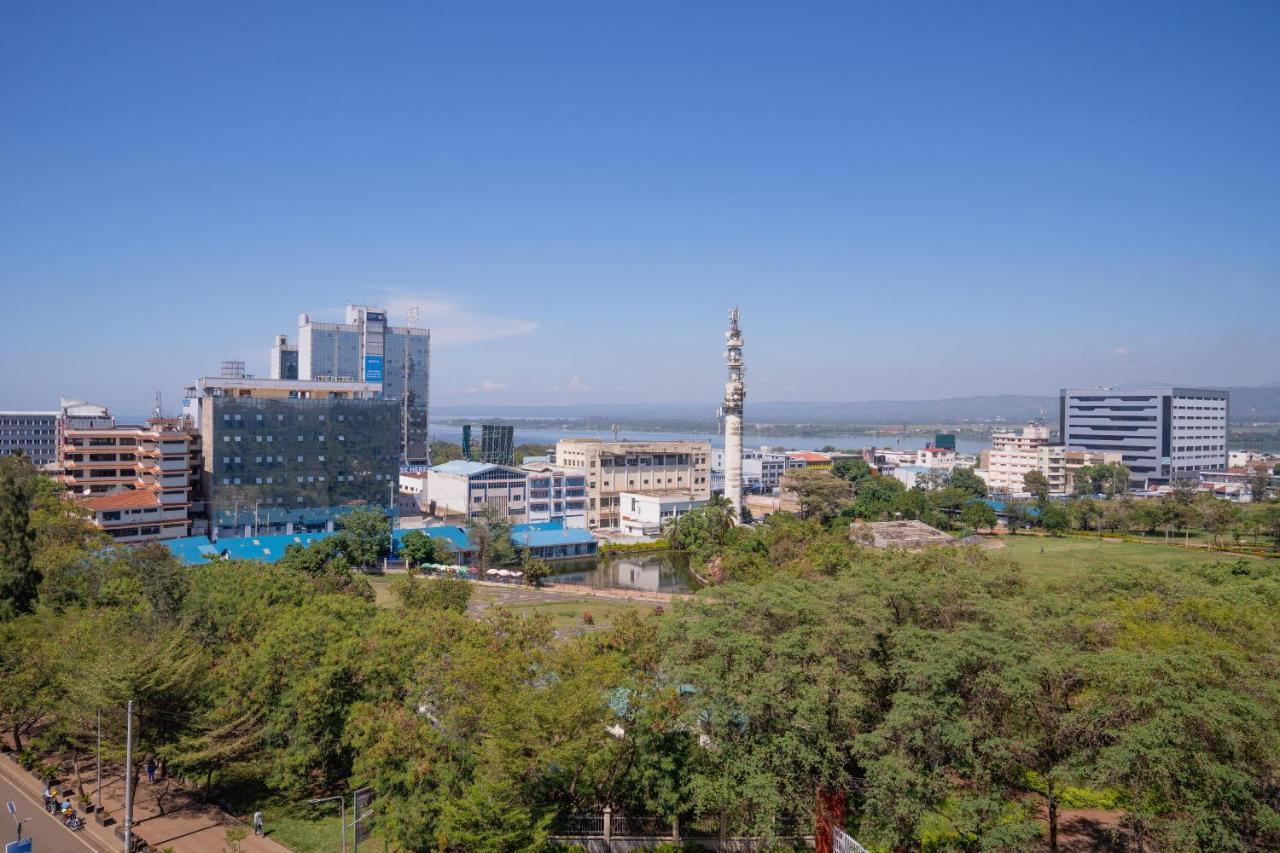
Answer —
817 493
966 480
1036 484
19 577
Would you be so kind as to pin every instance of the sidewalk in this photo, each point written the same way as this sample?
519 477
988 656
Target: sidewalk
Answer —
187 825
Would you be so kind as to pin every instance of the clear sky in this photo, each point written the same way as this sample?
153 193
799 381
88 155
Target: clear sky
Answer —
907 199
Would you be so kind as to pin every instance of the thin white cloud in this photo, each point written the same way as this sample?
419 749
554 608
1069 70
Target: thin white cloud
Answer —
488 386
1121 351
577 383
451 323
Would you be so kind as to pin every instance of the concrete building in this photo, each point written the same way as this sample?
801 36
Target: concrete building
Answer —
613 467
555 494
470 489
34 433
1161 433
284 359
367 349
648 513
136 480
1013 455
1077 459
761 472
286 456
808 459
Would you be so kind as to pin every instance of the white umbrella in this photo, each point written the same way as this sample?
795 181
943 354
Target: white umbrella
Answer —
504 573
493 572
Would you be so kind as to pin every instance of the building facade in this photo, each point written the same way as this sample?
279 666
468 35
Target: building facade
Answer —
1161 434
555 494
136 481
367 349
285 456
34 433
472 489
613 467
648 513
1013 455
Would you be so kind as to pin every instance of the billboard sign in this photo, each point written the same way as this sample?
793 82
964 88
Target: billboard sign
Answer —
373 368
21 846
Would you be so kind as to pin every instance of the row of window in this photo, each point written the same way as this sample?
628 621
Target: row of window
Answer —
271 438
301 478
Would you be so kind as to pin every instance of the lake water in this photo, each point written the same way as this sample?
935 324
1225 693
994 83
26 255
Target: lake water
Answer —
666 571
849 441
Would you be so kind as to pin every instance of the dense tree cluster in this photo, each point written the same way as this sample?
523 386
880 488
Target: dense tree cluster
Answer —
954 704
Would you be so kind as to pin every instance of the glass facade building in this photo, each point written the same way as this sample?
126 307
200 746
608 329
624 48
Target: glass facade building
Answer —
293 464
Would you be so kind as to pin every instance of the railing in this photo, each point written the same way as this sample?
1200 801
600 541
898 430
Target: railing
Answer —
644 826
581 824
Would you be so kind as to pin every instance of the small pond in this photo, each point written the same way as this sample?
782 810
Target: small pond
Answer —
663 571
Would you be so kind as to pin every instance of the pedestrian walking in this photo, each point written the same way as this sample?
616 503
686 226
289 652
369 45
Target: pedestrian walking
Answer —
151 770
257 823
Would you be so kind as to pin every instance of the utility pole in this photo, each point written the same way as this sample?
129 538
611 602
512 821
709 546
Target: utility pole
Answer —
128 779
98 770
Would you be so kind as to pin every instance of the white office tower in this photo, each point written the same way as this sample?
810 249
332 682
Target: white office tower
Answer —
734 393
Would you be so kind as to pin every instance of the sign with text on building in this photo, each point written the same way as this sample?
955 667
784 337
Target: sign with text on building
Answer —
373 368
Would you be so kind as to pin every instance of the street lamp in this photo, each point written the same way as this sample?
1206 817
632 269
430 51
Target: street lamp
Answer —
342 813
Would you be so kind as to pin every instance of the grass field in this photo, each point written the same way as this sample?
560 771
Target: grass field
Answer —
1069 557
568 614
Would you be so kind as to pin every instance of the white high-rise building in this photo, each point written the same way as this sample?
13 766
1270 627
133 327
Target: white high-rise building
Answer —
366 348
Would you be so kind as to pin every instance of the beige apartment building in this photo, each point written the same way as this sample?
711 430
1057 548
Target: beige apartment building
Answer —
135 480
1015 454
638 467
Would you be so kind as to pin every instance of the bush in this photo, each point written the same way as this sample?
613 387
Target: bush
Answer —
587 619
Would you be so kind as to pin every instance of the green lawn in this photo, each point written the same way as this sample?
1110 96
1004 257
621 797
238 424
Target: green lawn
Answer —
568 614
1068 557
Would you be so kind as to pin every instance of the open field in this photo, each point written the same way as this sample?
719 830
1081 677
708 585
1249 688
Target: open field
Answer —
566 614
1066 558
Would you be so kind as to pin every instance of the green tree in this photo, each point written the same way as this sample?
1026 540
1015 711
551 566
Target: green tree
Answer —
1055 519
854 471
817 493
1036 484
1259 481
1219 516
967 481
31 663
19 577
535 570
418 549
490 536
978 516
365 536
413 593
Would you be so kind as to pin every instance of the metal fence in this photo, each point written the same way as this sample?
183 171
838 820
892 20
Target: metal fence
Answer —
591 823
643 826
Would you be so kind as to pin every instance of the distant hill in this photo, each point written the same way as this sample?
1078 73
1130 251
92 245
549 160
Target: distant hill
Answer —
1248 404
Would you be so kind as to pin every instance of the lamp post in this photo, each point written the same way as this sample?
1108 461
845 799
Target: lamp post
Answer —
342 814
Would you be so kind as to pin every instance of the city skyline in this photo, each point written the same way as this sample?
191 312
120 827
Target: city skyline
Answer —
906 204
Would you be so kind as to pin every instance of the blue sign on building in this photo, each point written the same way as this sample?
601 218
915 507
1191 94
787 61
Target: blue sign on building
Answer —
373 368
23 846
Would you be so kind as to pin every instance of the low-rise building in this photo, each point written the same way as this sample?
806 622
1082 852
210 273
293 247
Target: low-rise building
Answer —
808 459
648 513
612 467
472 489
33 433
556 494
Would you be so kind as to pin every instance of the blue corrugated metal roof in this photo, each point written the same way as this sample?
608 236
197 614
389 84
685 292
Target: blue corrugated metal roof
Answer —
540 538
455 536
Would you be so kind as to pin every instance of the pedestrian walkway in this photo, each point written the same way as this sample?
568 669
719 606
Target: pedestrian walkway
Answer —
165 814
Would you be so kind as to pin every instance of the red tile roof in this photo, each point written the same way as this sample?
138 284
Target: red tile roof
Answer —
129 499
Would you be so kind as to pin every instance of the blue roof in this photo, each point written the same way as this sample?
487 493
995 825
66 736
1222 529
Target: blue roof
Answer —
456 536
537 536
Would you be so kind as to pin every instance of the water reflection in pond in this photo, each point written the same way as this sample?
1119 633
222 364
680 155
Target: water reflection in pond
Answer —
665 571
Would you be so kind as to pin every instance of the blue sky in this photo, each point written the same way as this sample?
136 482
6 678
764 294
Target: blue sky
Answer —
907 200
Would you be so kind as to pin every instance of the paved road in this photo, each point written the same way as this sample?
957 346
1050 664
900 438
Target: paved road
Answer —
47 833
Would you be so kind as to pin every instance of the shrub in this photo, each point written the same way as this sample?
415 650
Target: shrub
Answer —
587 619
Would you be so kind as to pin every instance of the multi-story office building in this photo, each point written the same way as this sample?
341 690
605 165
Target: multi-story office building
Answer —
613 467
367 349
135 480
285 456
34 433
1161 433
496 446
649 513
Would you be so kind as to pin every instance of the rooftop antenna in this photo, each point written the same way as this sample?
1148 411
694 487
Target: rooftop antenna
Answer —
158 411
615 428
